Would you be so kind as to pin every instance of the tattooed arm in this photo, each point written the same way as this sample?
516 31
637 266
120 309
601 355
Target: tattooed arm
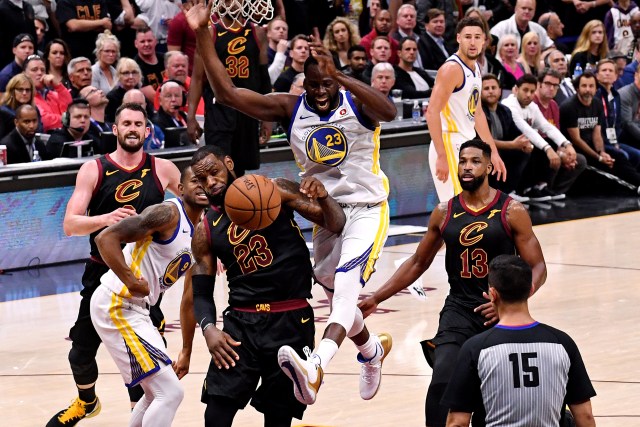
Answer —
160 219
311 200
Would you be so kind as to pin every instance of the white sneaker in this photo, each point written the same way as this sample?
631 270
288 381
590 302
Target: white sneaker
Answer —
371 370
306 375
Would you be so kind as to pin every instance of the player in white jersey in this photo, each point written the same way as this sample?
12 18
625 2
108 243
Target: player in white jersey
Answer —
157 255
335 137
455 114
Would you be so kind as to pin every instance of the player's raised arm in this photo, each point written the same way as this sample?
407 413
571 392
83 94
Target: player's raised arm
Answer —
371 102
272 107
311 200
414 266
161 219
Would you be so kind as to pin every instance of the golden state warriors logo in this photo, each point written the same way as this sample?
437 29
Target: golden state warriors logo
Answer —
327 146
176 269
474 99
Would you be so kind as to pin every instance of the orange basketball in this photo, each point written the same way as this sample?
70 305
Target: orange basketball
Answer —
252 202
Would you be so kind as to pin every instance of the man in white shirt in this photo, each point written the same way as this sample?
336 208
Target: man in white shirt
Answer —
529 119
520 24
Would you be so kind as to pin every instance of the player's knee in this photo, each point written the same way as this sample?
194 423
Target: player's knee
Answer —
83 365
175 394
358 324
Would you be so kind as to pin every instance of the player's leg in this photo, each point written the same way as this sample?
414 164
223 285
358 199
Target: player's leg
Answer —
163 394
82 356
451 186
220 411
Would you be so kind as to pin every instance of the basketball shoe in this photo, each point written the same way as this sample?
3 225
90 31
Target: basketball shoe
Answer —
78 410
305 374
371 369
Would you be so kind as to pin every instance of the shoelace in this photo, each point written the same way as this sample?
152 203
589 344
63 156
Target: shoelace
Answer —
74 411
369 372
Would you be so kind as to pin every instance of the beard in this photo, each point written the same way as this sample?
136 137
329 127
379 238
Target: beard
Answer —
122 142
218 199
472 185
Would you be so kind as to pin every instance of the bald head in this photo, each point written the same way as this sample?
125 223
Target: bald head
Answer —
134 96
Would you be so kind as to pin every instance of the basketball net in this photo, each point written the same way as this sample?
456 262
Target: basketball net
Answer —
237 12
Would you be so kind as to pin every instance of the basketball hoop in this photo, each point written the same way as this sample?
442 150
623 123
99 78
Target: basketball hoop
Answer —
237 12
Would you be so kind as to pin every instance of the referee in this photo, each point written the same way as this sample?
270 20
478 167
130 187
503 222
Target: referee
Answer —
522 372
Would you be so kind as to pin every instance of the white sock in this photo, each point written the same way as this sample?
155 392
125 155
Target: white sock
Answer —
325 352
370 349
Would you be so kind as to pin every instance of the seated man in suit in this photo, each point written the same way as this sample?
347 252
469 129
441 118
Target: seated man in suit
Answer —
432 47
172 98
21 142
414 82
75 128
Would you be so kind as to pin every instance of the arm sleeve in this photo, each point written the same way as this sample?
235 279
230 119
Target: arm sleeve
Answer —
579 387
543 124
276 66
568 117
204 307
65 12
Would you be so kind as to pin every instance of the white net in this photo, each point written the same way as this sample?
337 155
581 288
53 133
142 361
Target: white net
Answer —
234 13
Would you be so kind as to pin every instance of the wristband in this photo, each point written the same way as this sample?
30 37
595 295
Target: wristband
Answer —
599 159
206 326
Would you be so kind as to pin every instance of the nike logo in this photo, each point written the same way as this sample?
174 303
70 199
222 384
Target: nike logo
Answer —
222 33
456 215
372 205
109 173
304 117
217 221
185 231
303 320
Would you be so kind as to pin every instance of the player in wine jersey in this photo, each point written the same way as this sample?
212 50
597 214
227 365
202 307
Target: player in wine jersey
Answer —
113 187
243 50
521 372
455 114
476 226
270 278
335 136
156 256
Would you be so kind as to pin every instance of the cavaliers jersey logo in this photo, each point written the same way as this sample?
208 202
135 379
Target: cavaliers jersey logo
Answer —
472 104
125 192
327 146
471 234
236 45
176 269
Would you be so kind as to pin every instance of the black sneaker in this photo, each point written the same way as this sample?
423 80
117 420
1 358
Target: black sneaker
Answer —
552 194
536 195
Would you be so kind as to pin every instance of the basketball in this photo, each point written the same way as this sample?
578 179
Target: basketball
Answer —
252 202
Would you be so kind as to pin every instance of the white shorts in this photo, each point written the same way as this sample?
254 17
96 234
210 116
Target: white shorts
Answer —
358 246
126 330
451 187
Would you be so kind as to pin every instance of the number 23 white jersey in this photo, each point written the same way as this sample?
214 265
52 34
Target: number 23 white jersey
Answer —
341 149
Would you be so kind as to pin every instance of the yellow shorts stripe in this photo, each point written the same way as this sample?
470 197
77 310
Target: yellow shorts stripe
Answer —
378 243
452 162
131 339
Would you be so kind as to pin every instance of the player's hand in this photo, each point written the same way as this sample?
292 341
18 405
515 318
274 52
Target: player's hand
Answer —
325 60
265 132
442 168
554 159
220 346
194 131
118 215
499 169
199 15
313 188
181 366
140 288
487 310
367 306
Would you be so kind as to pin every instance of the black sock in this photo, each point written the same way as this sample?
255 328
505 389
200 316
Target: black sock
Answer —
87 395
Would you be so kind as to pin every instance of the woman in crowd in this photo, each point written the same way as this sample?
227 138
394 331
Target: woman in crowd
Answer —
20 91
591 47
56 57
530 53
341 34
129 77
51 96
107 53
508 55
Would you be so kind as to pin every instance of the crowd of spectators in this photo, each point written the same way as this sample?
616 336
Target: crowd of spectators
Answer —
561 79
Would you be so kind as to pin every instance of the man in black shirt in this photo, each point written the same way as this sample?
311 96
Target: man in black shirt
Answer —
14 20
476 226
521 371
581 119
150 62
81 21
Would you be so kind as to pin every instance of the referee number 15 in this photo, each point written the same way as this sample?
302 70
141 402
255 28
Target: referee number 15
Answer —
524 372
